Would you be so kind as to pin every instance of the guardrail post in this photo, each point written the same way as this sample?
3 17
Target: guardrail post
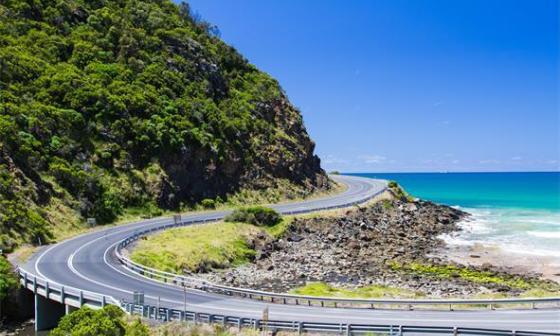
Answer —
455 331
81 298
47 290
400 330
533 306
450 308
62 294
103 302
34 285
348 329
300 328
167 317
513 332
25 280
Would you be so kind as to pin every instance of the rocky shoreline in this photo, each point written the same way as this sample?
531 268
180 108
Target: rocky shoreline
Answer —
371 245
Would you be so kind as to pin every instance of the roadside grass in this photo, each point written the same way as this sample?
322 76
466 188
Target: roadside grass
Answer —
203 246
284 193
197 247
278 230
366 292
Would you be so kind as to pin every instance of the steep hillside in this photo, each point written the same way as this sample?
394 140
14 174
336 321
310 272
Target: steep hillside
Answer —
112 105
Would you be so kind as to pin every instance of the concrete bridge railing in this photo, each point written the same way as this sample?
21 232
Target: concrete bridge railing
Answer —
52 300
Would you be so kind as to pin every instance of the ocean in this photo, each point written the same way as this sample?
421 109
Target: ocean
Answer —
518 212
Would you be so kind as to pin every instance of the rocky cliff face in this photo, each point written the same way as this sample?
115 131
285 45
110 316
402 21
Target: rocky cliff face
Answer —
109 105
287 155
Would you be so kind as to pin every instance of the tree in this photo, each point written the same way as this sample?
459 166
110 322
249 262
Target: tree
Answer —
88 322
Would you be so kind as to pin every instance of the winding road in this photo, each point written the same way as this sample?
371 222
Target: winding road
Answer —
88 262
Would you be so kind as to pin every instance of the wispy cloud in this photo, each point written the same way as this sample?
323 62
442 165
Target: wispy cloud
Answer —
490 161
516 158
372 158
333 159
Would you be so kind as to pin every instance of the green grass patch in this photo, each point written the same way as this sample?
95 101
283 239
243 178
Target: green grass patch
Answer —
465 273
399 192
194 248
279 228
373 291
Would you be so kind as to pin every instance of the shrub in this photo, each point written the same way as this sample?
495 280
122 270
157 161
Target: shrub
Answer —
7 278
256 215
399 192
208 203
137 328
88 322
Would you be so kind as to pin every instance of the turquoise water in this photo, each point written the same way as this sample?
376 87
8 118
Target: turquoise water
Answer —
519 212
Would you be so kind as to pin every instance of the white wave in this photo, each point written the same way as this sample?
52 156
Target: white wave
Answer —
523 231
545 234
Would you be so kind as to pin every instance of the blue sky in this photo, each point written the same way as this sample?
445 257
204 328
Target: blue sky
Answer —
394 85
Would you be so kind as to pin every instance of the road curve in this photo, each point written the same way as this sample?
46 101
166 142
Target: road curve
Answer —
88 262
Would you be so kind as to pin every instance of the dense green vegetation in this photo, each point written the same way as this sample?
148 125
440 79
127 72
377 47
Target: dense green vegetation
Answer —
107 321
107 106
257 215
8 280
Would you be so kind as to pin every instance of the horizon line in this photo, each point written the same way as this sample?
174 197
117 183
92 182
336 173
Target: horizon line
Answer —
447 172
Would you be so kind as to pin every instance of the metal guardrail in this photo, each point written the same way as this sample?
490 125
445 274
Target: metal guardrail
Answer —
64 294
168 314
79 298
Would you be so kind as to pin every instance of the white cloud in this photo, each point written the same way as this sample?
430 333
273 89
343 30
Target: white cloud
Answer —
372 158
333 159
491 161
516 158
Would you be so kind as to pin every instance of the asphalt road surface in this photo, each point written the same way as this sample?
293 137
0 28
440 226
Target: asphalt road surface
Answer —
87 262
